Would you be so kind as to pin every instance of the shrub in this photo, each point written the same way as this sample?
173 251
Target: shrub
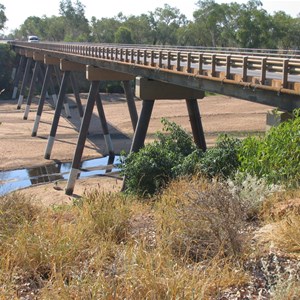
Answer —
150 169
222 160
275 156
201 220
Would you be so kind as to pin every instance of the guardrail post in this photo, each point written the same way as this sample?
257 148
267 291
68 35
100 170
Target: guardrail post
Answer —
245 68
213 65
200 63
94 90
263 70
285 73
60 101
228 65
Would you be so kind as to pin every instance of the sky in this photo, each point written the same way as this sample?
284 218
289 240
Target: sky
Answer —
17 11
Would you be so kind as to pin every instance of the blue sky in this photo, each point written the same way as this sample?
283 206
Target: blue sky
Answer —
18 10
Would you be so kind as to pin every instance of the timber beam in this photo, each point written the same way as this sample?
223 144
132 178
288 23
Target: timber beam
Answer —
37 56
94 74
29 53
151 89
66 65
49 60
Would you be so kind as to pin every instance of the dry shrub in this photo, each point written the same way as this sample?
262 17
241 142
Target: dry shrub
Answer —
15 211
286 234
201 219
276 206
139 274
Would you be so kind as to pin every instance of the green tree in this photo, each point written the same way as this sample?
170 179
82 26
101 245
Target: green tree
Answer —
3 18
165 22
123 35
77 26
103 30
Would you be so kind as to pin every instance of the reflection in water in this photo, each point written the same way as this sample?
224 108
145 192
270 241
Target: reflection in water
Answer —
17 179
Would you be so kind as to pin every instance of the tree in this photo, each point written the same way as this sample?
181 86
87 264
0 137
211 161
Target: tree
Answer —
165 22
103 30
77 26
123 36
3 18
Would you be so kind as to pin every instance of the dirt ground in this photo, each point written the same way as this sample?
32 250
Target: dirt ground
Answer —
18 149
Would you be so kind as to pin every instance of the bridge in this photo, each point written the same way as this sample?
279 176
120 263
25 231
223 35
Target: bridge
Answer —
160 73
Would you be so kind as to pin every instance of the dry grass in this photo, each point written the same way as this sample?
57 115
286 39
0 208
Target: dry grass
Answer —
187 243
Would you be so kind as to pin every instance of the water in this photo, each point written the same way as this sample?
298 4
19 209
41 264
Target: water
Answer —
16 179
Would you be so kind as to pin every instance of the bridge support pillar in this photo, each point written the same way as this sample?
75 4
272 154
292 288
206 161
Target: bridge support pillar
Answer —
46 82
18 75
61 96
94 91
31 89
24 82
151 89
275 117
130 102
142 126
94 75
196 124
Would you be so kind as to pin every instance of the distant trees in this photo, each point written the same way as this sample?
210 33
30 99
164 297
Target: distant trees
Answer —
245 25
3 18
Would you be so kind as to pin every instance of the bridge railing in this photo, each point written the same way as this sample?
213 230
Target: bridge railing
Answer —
262 69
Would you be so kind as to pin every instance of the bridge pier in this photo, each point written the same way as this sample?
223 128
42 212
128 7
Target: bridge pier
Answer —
50 62
151 89
130 103
94 75
18 76
39 112
61 96
25 79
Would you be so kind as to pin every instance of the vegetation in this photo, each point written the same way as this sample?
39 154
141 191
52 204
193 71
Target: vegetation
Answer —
245 25
7 62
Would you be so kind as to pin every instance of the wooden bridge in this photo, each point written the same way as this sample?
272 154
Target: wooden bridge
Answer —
159 73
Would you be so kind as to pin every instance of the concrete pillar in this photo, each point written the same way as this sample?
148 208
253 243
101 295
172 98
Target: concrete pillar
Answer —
61 96
94 91
275 117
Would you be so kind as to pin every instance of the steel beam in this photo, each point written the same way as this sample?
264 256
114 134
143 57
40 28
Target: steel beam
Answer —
130 103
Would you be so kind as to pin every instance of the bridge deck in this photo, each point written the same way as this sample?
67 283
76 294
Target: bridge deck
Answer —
260 78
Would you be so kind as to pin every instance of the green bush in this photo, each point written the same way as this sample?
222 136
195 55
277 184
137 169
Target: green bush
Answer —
150 169
221 160
276 156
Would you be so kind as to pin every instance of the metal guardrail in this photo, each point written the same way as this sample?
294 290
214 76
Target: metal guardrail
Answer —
260 69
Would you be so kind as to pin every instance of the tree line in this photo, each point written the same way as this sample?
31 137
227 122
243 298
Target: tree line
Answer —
245 25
